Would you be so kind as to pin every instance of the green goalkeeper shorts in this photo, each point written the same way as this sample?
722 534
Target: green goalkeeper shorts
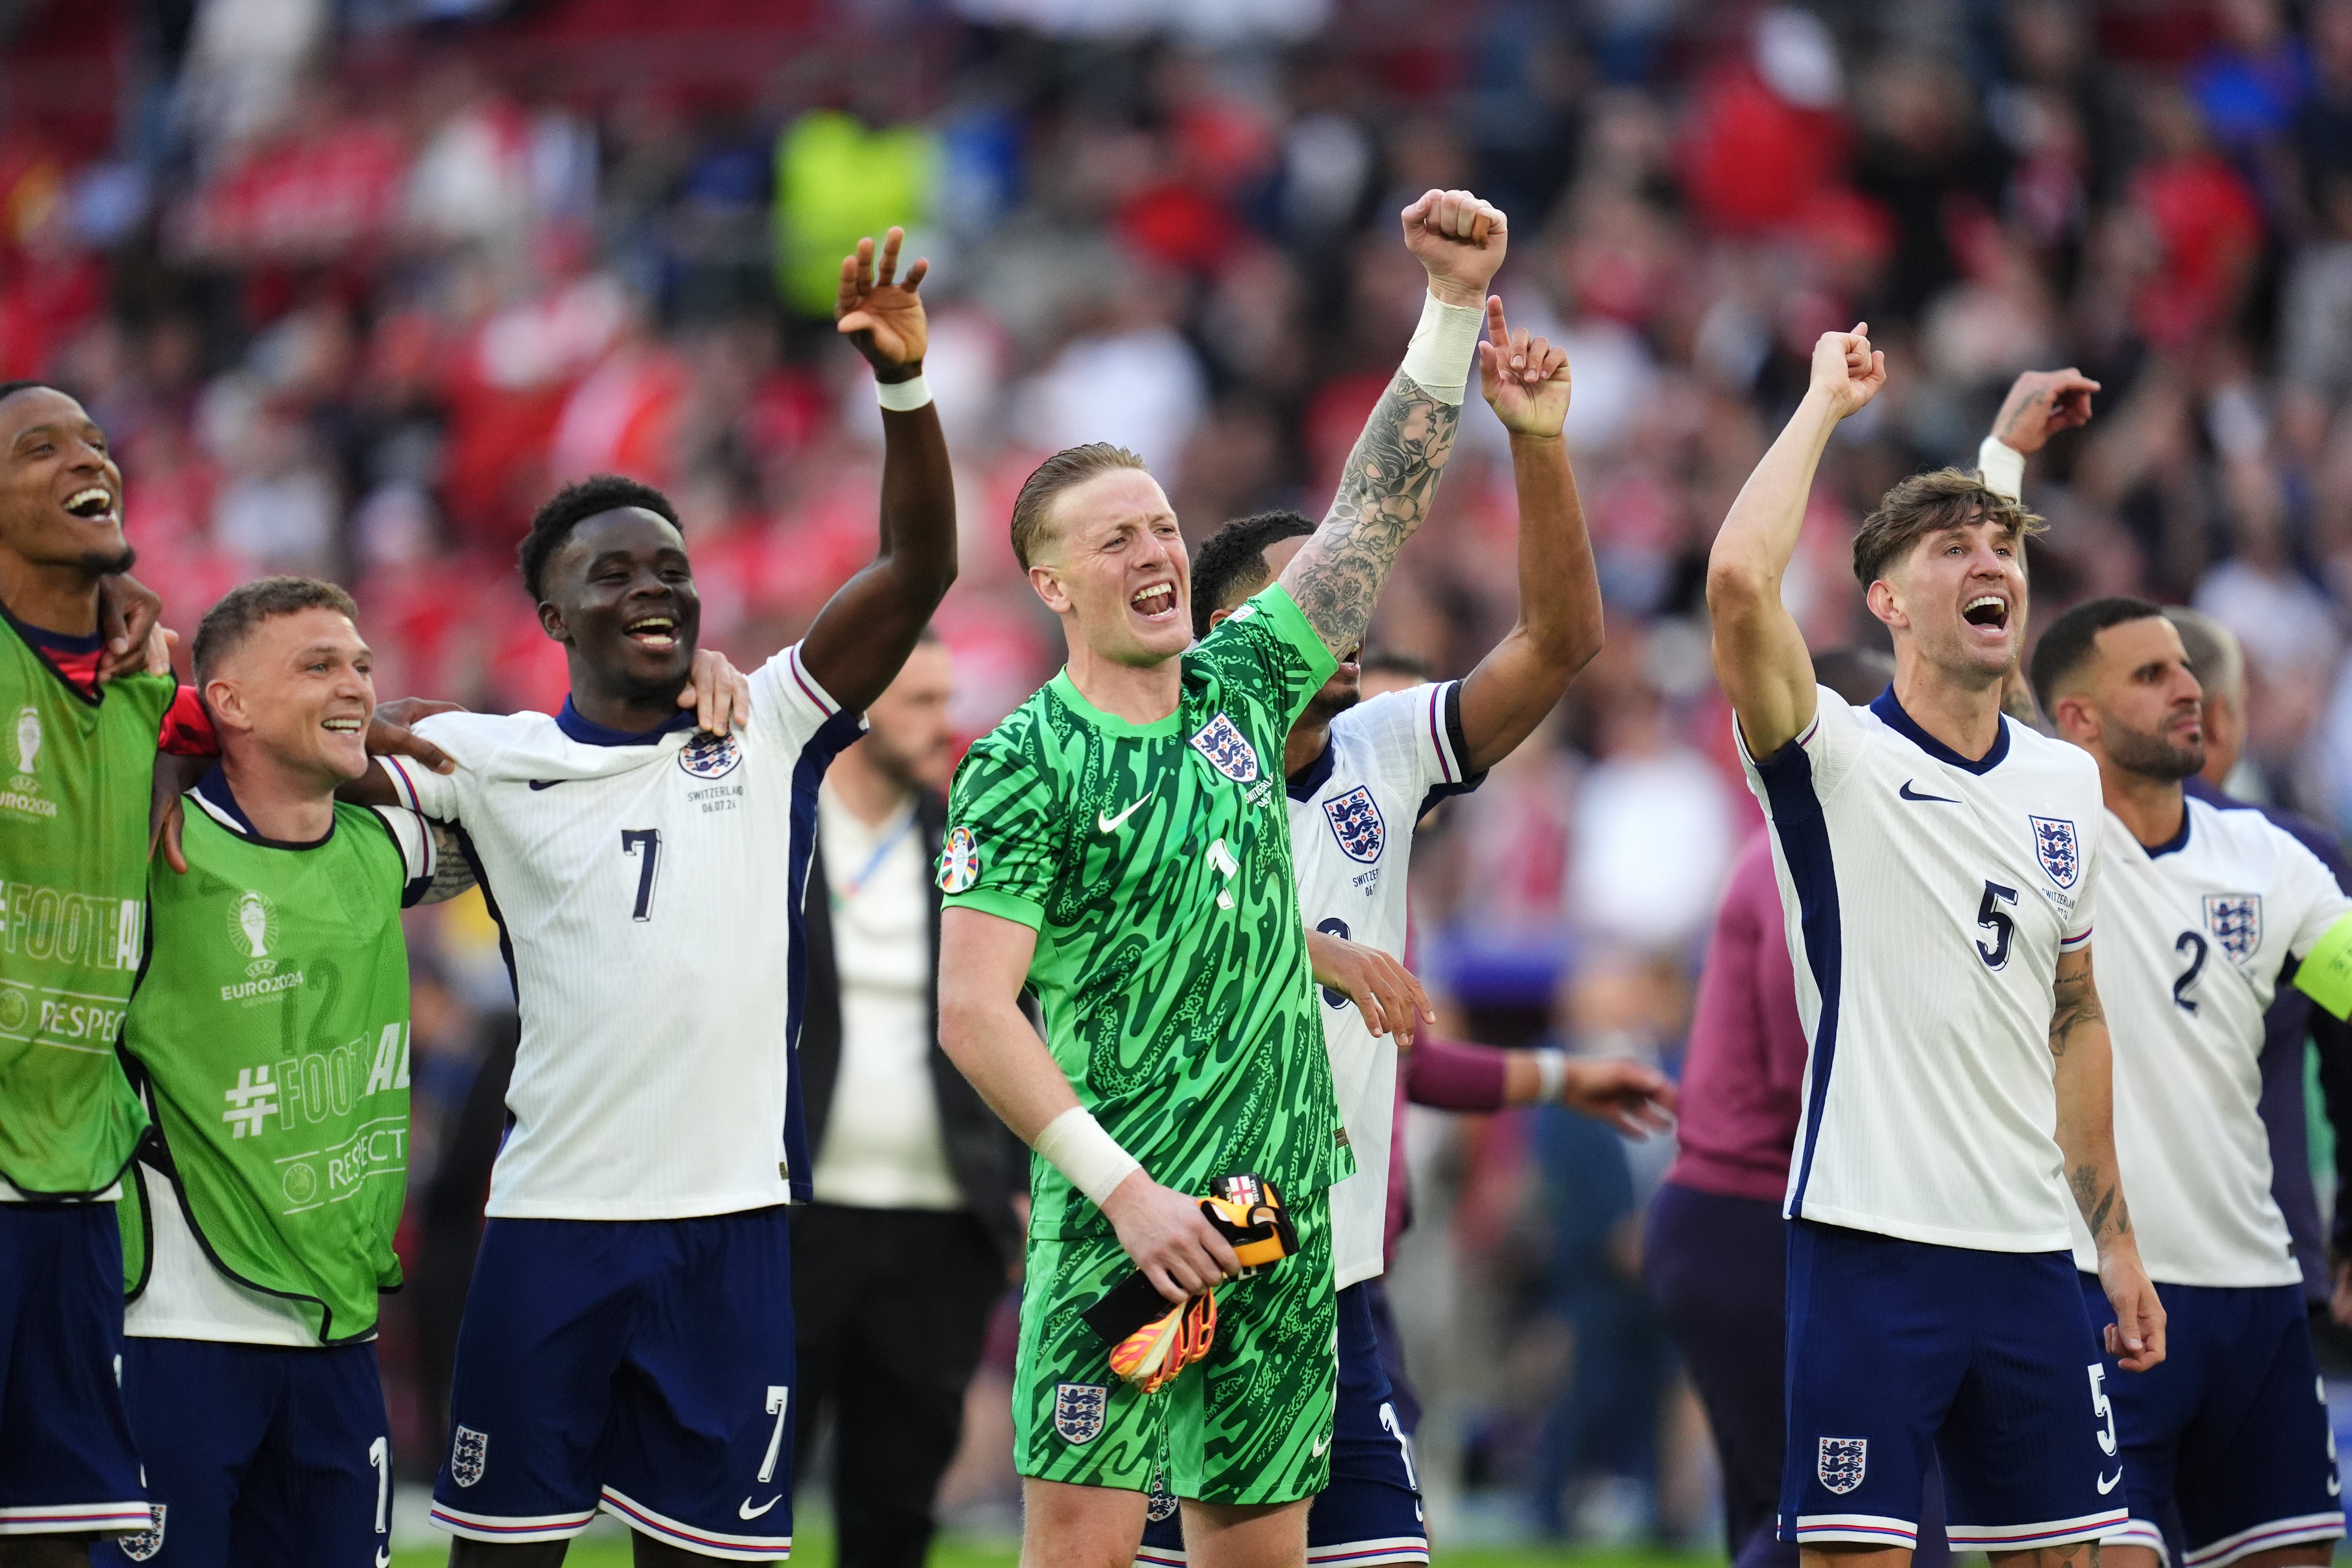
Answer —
1250 1424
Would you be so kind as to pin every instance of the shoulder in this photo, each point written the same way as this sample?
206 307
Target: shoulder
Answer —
471 736
2044 755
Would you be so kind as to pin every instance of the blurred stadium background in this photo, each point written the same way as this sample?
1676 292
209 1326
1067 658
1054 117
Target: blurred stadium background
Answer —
352 283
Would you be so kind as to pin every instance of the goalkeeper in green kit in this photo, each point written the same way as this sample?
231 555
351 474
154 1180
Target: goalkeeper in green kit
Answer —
269 1039
1119 846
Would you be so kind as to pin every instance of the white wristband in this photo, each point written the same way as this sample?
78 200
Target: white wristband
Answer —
1074 1145
2003 467
904 397
1551 1076
1443 344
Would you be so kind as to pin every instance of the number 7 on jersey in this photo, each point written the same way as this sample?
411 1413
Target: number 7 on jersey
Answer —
632 840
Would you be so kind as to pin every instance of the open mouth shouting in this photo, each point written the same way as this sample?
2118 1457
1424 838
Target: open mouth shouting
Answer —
92 503
1154 601
1989 611
656 633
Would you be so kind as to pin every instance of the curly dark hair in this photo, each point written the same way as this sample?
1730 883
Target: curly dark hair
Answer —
570 507
1231 562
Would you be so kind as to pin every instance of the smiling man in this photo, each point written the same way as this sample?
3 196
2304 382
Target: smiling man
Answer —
1120 845
628 1338
268 1038
1937 862
80 723
2227 1457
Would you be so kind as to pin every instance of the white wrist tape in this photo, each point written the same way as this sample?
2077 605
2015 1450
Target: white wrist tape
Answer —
1443 344
904 397
1551 1076
1074 1145
2003 467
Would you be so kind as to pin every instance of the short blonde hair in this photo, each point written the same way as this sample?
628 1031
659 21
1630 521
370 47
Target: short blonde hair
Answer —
1929 503
1070 466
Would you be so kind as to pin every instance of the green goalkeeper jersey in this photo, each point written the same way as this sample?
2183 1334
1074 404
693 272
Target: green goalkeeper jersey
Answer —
1153 861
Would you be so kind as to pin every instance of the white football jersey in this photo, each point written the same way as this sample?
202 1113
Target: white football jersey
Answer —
1351 820
2195 935
647 891
1928 899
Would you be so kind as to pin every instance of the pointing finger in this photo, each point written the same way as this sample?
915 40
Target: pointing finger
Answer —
1497 329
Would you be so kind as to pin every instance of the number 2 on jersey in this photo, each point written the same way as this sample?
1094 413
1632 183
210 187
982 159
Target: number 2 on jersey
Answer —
649 839
2182 943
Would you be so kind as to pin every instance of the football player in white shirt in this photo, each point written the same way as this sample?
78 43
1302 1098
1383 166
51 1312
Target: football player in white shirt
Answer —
1360 773
627 1342
1936 861
2202 911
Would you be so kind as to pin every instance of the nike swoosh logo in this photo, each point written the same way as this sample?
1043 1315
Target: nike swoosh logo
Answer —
1113 824
383 1557
545 783
1907 792
1322 1443
746 1511
2109 1483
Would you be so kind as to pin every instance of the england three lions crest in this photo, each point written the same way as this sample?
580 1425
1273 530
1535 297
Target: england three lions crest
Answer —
1842 1463
2055 846
2236 921
469 1455
1079 1410
1356 822
710 756
143 1545
1227 749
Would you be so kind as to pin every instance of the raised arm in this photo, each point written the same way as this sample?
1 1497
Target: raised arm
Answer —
867 628
1392 472
2087 1141
1759 654
1526 381
984 962
2041 402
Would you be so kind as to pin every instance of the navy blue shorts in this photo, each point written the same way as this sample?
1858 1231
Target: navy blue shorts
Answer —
2231 1427
67 1463
643 1366
1901 1353
1371 1513
258 1455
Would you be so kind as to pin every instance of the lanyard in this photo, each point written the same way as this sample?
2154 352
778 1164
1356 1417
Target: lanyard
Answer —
844 892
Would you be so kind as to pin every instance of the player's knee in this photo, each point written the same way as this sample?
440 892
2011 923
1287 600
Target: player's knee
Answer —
1068 1526
1260 1535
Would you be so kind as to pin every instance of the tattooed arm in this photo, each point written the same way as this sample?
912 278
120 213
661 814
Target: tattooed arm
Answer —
2086 1141
1392 473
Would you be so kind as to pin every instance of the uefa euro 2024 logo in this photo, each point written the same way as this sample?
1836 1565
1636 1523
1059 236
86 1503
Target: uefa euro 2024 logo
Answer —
253 926
28 749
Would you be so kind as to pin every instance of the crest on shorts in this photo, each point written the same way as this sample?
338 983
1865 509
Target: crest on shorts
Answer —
1842 1463
1356 822
142 1544
469 1454
1079 1410
1159 1503
958 861
1227 749
710 756
2236 921
2054 847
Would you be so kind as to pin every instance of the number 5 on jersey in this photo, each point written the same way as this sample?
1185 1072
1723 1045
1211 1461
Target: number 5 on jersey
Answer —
633 840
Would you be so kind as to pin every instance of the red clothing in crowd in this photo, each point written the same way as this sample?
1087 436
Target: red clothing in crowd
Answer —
1744 1071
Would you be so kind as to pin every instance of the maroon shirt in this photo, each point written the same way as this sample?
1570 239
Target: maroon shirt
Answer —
1744 1073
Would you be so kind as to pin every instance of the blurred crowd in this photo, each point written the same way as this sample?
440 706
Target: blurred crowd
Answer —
352 284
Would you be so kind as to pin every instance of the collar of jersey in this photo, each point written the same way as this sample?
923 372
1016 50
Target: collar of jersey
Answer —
2179 841
1891 712
1302 785
219 802
588 733
1068 691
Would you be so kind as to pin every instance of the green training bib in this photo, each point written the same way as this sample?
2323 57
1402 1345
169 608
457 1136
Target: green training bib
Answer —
271 1029
76 777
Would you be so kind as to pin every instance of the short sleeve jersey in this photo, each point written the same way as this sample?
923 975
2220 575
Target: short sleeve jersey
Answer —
2197 935
1928 898
647 889
1351 819
1153 861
